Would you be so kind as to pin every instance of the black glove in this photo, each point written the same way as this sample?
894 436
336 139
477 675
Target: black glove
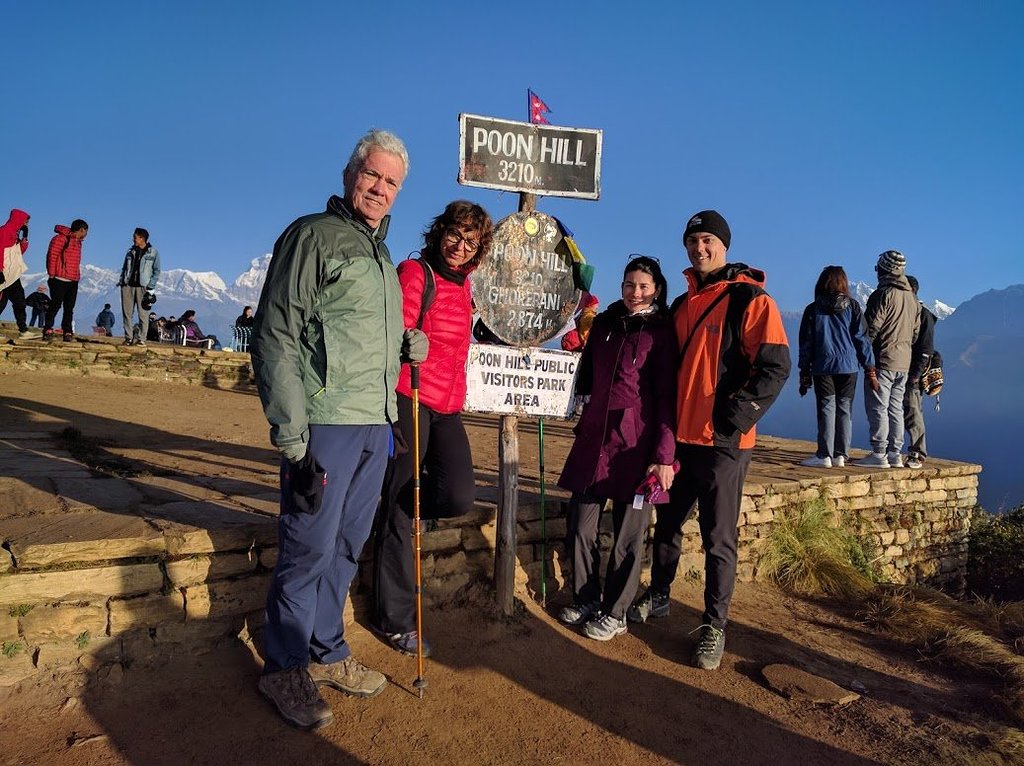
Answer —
805 383
23 232
307 481
401 445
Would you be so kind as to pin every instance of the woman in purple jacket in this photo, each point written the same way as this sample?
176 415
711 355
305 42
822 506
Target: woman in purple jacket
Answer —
626 431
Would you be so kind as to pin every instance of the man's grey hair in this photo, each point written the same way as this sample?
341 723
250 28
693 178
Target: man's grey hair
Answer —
380 140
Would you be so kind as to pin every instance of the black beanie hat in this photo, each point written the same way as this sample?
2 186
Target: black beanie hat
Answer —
709 222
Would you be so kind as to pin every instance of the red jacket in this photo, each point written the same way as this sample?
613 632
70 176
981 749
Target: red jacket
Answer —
64 256
736 362
9 233
447 325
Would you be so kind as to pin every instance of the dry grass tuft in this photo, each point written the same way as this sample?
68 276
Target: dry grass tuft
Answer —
949 631
807 553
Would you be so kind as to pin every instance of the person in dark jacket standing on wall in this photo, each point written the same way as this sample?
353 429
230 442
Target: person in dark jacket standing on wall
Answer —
64 267
913 409
39 302
833 347
139 275
625 432
326 353
454 245
734 361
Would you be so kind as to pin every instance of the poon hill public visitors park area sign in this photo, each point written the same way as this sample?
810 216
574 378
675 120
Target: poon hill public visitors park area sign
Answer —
527 288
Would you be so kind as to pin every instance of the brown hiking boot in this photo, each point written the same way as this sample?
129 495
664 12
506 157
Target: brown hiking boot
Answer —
349 676
296 698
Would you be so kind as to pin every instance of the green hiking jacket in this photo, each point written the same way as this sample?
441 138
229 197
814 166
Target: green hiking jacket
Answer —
328 329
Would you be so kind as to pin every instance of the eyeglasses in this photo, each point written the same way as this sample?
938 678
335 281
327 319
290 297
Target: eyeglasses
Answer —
634 256
374 177
452 237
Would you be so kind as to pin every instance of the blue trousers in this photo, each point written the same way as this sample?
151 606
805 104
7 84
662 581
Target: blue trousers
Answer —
318 554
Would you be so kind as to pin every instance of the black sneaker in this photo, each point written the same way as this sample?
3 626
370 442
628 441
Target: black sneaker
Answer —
296 698
579 614
69 337
707 655
651 604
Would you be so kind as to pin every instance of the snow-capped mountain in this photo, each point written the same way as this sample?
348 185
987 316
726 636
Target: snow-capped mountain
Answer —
216 304
861 291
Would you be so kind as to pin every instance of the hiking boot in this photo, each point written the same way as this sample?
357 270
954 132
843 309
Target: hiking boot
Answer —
817 462
839 461
874 460
404 643
128 342
349 676
140 343
28 334
69 337
895 459
49 335
604 627
651 604
707 655
914 461
296 698
578 614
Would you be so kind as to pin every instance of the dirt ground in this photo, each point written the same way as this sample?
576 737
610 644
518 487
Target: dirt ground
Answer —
525 690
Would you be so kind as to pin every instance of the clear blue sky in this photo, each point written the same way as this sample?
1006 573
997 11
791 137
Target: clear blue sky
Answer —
824 132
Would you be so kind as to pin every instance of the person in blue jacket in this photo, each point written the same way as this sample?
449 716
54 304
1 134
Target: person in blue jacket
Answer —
833 347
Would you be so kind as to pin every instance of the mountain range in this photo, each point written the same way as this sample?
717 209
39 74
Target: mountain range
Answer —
981 340
216 303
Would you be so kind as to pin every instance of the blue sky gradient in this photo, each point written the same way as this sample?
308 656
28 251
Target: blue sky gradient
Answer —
824 132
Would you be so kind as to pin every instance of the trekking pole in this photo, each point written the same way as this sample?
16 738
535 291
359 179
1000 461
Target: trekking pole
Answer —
420 683
543 521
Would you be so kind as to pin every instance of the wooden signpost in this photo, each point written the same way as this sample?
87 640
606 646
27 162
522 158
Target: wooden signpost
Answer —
524 291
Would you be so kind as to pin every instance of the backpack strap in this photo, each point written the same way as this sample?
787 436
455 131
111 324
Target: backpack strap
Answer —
700 319
429 291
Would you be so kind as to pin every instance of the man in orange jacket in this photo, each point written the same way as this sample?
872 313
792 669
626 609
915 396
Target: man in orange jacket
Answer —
734 360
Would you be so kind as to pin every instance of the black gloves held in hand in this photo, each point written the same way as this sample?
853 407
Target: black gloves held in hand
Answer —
307 481
805 383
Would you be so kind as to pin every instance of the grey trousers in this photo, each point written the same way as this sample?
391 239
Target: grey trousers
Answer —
623 574
885 411
131 300
913 419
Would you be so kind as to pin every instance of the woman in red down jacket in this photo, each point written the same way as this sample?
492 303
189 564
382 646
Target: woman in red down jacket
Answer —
453 246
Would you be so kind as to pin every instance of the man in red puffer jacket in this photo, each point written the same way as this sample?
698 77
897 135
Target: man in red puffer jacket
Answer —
63 265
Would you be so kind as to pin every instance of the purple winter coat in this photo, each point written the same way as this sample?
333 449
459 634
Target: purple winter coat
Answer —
629 370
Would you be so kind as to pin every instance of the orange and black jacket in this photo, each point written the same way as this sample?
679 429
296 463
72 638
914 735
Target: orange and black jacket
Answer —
734 361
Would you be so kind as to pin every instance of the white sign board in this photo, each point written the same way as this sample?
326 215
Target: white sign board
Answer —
520 381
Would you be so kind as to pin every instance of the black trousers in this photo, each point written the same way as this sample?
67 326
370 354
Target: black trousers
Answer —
62 295
15 293
711 479
447 488
623 574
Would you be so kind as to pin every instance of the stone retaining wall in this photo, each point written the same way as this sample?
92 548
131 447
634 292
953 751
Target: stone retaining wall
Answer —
96 570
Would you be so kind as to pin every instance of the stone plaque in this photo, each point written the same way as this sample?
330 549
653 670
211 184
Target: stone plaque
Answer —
524 290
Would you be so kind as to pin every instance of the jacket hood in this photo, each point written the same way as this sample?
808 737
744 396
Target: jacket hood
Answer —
899 281
833 303
62 229
18 218
337 206
731 272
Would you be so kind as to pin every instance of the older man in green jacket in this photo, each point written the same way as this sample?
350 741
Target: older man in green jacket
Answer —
326 350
